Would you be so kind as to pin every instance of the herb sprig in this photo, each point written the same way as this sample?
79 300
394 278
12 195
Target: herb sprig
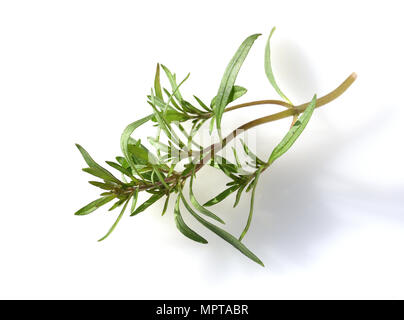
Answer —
164 171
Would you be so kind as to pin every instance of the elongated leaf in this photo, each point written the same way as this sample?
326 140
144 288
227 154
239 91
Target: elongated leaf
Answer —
230 76
157 85
92 206
251 204
202 104
211 124
166 205
198 206
236 92
221 196
238 195
160 176
100 174
139 155
134 200
294 132
172 115
94 165
182 227
223 234
117 204
123 162
116 222
172 80
268 68
119 168
251 154
125 138
101 185
147 203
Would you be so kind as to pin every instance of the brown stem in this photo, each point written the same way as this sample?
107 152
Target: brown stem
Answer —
291 111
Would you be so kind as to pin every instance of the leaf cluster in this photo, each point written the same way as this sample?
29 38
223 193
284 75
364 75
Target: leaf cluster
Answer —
175 157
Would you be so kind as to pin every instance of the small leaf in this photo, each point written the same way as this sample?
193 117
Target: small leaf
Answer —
172 115
166 204
171 79
251 154
160 176
147 203
251 204
202 104
106 175
140 155
268 68
116 222
236 92
223 234
182 227
101 185
238 195
117 204
134 200
294 132
99 174
122 161
119 168
157 85
92 206
230 76
211 124
198 206
221 196
125 138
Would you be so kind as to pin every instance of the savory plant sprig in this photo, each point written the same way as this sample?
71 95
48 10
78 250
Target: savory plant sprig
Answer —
180 157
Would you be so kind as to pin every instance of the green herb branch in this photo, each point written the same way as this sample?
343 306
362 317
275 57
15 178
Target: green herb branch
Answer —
177 156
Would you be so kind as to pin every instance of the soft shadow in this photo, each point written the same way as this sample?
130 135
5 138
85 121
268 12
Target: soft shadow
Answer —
294 213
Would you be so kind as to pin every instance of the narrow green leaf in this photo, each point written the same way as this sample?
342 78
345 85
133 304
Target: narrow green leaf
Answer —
94 165
211 124
147 203
294 132
92 206
251 204
116 222
202 104
157 85
122 161
134 200
172 80
120 168
235 93
139 154
102 185
117 204
268 68
100 174
238 195
160 176
198 206
221 196
230 76
172 115
223 234
182 227
125 138
166 204
251 154
236 157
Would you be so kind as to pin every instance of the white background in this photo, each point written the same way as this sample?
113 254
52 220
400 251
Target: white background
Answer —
329 215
